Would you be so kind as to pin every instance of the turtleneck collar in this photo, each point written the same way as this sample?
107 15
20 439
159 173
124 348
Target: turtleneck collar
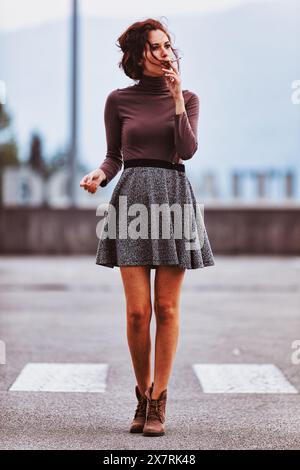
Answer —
153 84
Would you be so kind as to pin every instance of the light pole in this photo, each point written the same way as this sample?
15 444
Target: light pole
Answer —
74 104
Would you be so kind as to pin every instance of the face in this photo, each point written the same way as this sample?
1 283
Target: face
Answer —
159 49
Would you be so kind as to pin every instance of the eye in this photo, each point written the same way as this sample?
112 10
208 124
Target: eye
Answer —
155 47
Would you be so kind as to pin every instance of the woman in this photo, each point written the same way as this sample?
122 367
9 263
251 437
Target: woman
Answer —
151 127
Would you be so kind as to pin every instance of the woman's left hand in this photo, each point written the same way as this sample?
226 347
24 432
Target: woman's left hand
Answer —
173 81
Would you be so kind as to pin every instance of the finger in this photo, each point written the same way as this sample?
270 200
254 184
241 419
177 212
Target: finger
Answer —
87 180
175 68
171 76
169 70
93 188
172 66
83 180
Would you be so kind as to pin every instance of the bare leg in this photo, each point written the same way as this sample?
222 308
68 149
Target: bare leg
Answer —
137 287
168 281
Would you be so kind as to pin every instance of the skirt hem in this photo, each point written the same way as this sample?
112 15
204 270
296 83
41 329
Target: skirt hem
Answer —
154 264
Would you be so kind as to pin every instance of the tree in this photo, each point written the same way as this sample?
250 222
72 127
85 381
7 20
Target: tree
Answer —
8 145
36 160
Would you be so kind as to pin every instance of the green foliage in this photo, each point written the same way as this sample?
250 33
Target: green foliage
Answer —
9 154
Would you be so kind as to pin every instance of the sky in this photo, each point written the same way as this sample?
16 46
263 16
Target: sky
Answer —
34 12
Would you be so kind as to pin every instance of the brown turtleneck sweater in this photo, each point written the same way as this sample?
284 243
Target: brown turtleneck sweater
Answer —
140 122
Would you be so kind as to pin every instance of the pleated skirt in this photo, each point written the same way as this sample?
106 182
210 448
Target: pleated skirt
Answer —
153 219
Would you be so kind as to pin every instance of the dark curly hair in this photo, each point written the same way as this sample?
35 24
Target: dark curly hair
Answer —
132 43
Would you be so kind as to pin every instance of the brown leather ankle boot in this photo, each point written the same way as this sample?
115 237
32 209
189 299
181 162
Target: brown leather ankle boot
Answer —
139 419
155 414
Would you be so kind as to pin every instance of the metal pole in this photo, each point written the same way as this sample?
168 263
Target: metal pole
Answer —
74 103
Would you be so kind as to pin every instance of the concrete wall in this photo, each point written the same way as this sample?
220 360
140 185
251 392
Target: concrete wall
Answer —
231 229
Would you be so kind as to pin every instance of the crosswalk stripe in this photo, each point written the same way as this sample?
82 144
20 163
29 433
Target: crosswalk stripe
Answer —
92 377
62 377
242 378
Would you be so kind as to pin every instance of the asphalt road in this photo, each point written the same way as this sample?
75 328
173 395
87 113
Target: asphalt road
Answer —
65 310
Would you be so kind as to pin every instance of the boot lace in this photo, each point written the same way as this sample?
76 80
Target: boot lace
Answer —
155 409
141 407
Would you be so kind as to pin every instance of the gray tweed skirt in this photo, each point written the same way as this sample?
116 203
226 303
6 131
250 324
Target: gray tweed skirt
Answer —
153 219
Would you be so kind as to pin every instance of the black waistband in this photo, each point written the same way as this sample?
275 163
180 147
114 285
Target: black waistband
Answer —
153 162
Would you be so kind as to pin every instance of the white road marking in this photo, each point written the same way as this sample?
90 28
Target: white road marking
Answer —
242 378
91 378
62 377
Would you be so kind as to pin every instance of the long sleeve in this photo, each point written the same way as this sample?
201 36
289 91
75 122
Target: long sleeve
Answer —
112 163
186 127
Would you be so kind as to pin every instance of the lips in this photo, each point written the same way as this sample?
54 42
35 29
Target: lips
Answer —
166 63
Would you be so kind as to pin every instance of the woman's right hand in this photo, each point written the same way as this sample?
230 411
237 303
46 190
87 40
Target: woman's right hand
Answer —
91 181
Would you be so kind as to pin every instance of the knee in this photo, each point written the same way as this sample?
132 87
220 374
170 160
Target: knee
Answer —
165 311
139 317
